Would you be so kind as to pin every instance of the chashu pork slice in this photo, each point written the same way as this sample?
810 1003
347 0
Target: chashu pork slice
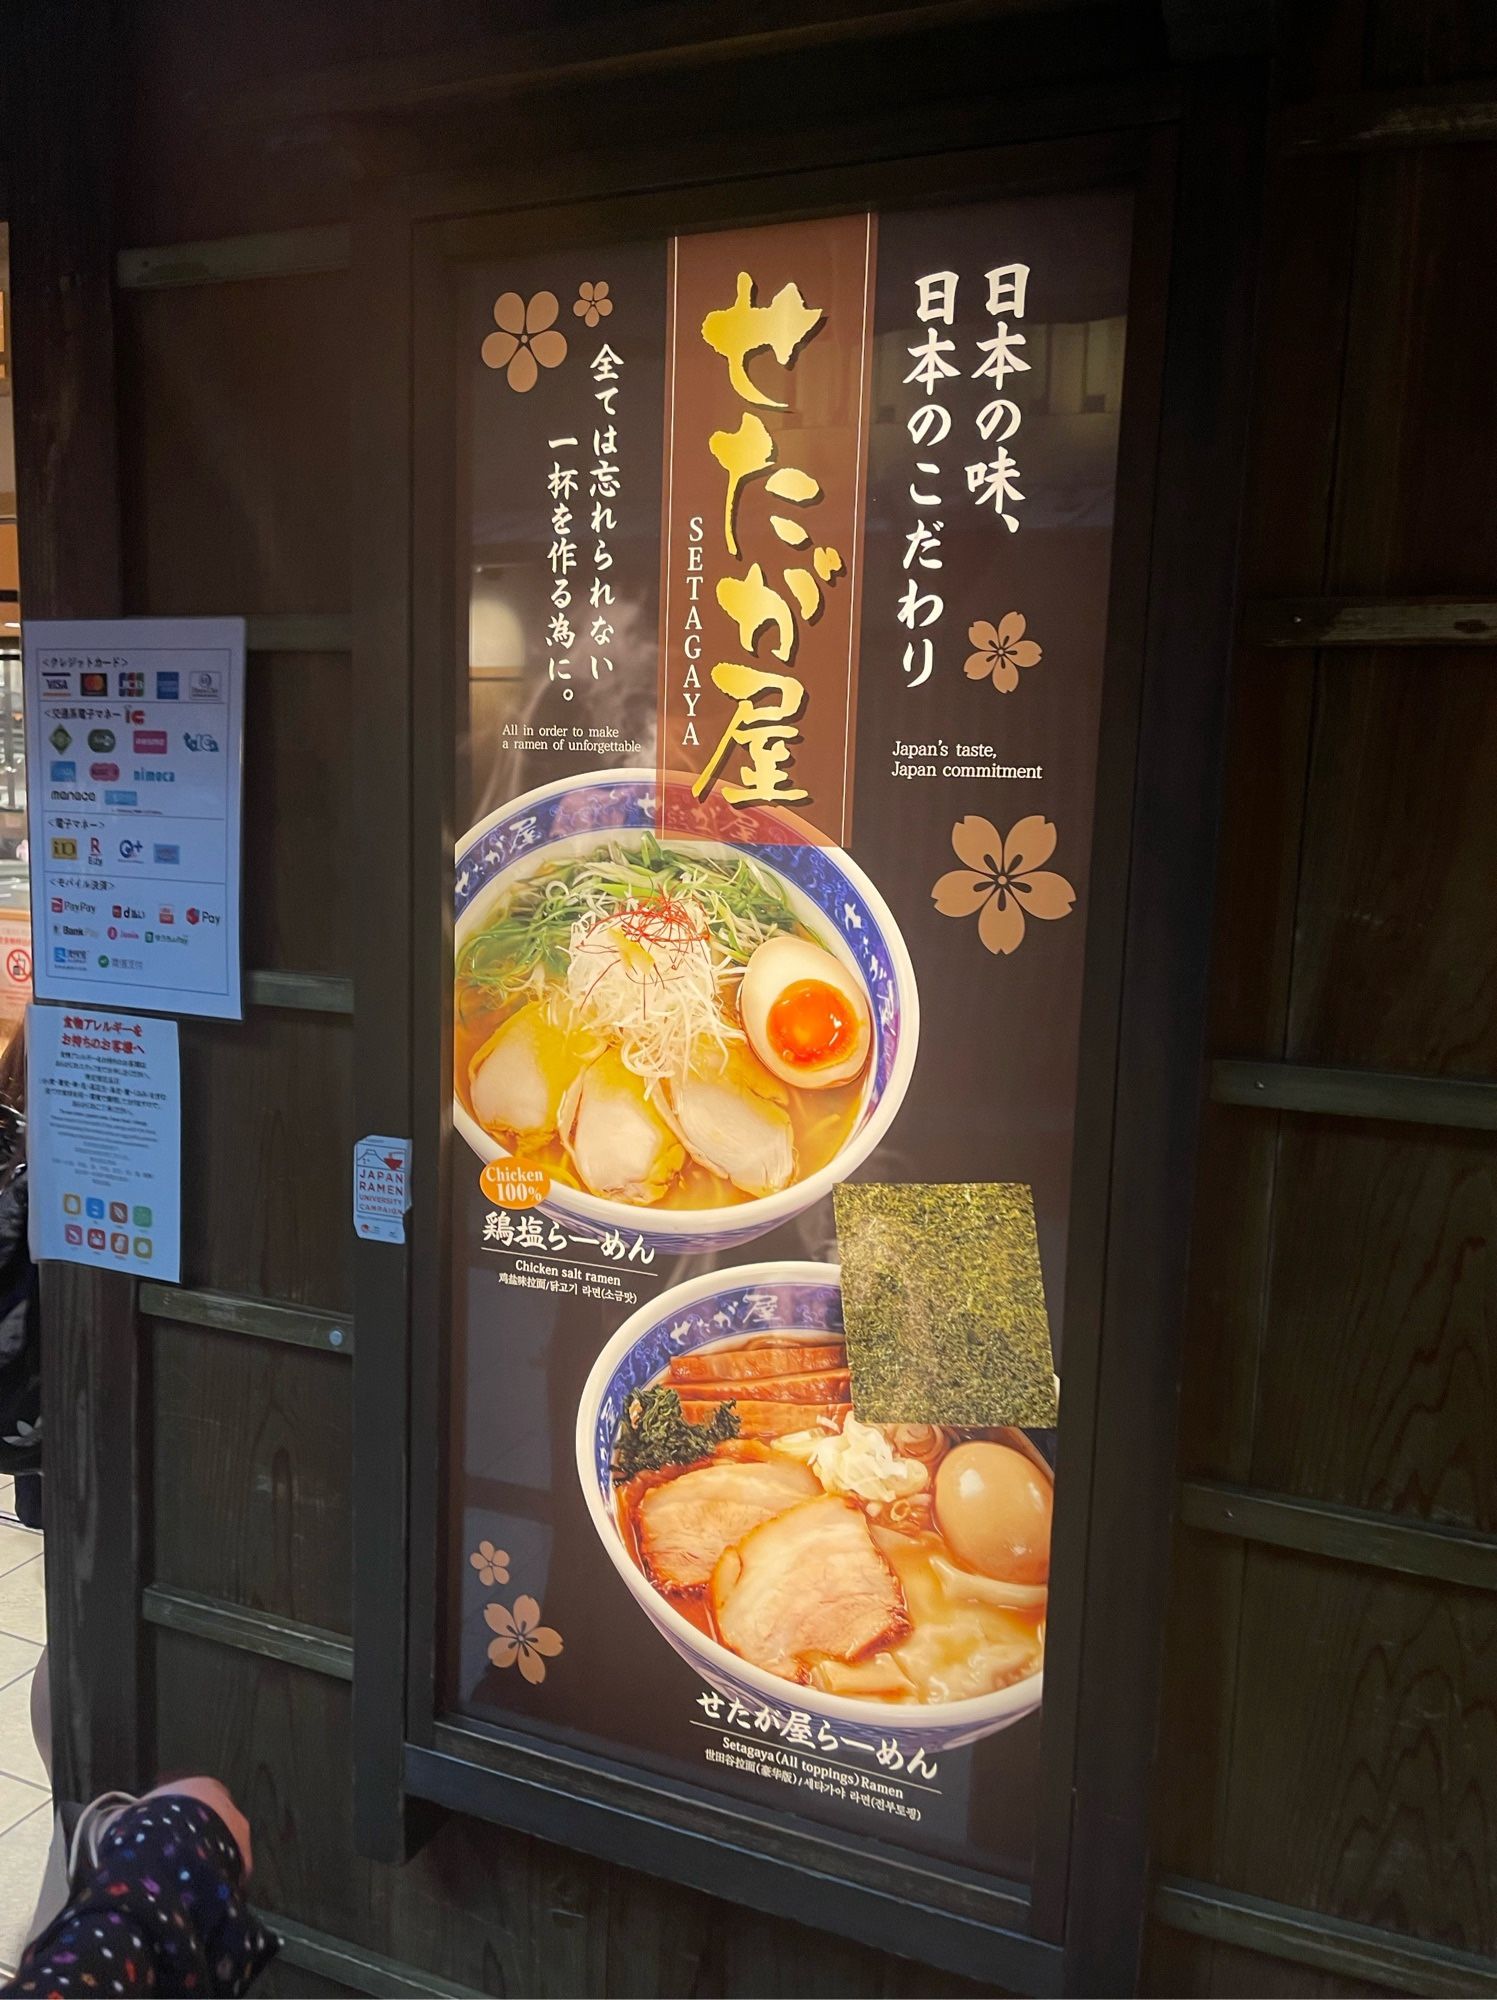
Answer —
809 1585
686 1523
768 1420
774 1357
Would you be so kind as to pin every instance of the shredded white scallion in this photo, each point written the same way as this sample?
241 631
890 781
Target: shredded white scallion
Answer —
655 982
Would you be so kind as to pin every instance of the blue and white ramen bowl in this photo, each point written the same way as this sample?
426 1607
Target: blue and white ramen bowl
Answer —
726 1306
828 892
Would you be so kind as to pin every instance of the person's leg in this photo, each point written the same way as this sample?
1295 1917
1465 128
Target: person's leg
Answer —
41 1711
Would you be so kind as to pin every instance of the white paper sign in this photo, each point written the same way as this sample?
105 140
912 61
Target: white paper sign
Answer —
133 746
104 1140
381 1179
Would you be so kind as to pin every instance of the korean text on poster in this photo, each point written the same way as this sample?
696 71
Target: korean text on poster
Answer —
104 1141
133 735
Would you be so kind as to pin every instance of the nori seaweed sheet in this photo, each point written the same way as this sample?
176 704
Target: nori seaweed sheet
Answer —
944 1304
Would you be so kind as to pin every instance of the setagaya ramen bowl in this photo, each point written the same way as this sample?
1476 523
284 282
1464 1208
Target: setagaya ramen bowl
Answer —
569 832
686 1332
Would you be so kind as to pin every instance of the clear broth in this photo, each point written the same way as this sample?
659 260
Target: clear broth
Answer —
823 1120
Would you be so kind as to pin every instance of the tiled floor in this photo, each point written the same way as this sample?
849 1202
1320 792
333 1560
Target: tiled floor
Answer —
25 1798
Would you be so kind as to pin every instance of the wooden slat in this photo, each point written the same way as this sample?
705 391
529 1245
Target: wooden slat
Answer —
261 1319
1344 1534
621 44
1355 1093
1364 121
299 632
305 992
249 1631
1305 1937
286 253
1377 621
360 1970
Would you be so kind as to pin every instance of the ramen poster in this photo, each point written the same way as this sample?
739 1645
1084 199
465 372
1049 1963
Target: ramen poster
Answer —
787 555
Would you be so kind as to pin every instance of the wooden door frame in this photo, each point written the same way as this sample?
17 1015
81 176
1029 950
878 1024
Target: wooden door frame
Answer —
1080 1928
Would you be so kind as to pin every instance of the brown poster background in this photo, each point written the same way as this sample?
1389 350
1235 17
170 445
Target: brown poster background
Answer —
992 1096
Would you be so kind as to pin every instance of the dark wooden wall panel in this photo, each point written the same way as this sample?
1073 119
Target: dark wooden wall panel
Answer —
267 1157
1377 1383
1416 478
480 1906
251 1467
301 804
1366 1739
1399 864
234 442
1328 1730
1184 1968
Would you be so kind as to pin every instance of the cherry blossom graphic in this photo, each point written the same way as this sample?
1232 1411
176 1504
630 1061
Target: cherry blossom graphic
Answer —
1003 882
526 341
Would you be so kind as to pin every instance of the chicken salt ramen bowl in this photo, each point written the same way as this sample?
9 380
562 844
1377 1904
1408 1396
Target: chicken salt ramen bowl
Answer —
894 1577
694 1038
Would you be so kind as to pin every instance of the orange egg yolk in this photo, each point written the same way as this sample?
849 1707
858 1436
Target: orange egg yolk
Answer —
811 1023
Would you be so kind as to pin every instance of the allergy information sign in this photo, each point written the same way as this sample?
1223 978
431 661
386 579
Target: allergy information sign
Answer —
134 730
104 1140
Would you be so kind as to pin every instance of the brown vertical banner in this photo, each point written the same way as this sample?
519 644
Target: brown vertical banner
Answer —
766 425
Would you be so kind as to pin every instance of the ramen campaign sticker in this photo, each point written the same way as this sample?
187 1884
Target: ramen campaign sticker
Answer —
944 1304
381 1192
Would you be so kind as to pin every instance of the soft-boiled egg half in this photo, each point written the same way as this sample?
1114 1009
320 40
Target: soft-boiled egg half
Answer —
805 1014
993 1506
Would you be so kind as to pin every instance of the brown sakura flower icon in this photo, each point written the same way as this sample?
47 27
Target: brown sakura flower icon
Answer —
522 1637
593 303
1003 881
492 1564
527 336
1001 651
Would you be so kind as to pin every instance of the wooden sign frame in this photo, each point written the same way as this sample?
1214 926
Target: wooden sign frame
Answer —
1077 1926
